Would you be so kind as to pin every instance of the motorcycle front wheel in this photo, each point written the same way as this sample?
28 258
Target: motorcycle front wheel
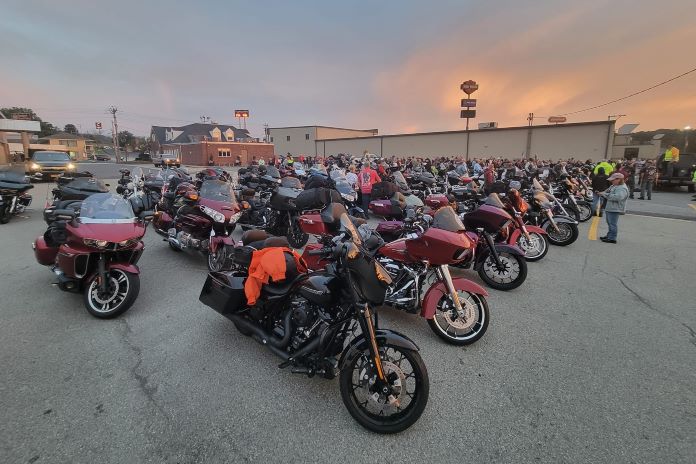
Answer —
584 210
567 233
460 329
511 273
122 290
535 248
216 259
369 406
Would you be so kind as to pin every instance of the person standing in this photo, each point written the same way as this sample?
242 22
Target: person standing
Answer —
600 183
616 197
671 156
628 169
648 176
366 179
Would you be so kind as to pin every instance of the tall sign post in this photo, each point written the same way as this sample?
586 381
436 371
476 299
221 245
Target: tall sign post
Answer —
468 87
241 115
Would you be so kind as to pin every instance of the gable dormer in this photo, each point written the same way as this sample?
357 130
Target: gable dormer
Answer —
216 134
229 134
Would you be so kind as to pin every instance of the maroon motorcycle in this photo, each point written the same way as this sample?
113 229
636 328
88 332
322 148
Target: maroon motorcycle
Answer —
203 222
95 250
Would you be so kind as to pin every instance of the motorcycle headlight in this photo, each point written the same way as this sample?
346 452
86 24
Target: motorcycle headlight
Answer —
128 243
90 242
348 196
217 216
235 217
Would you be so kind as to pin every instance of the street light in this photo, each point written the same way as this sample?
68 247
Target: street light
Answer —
686 137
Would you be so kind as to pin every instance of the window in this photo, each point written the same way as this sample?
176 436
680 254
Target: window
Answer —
224 153
288 138
631 152
271 139
306 136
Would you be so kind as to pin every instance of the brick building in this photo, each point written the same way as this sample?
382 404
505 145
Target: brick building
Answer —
198 144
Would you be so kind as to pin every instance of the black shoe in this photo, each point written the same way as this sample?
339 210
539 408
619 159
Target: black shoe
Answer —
603 238
641 198
606 240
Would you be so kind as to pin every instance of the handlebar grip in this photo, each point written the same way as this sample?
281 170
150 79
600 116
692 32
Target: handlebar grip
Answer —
321 251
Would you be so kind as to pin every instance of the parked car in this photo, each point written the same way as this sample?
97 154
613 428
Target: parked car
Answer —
166 160
102 157
48 164
143 156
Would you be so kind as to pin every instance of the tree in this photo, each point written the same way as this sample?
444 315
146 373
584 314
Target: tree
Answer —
47 129
125 139
70 129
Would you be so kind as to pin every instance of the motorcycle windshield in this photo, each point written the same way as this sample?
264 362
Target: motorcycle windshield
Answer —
537 186
348 226
446 219
400 181
217 190
343 186
13 175
87 184
291 182
273 172
494 200
106 208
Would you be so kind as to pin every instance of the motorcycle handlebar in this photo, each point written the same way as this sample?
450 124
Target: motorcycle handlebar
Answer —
321 251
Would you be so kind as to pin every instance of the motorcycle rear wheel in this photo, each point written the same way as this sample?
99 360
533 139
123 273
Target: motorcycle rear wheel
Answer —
515 265
567 235
123 290
414 387
5 214
461 331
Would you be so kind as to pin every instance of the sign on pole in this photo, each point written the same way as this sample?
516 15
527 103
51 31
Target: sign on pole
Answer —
557 119
468 103
98 125
241 113
469 87
468 114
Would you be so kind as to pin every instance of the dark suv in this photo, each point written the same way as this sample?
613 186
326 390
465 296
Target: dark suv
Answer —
48 164
682 172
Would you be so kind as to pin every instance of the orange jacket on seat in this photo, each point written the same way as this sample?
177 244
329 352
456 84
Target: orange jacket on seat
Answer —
268 264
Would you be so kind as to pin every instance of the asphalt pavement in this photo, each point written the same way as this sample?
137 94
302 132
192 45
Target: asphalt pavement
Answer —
592 360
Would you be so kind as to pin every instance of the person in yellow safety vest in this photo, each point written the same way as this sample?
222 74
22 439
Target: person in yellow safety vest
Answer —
671 157
608 168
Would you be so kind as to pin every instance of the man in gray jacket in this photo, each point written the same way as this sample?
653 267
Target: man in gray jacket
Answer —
615 196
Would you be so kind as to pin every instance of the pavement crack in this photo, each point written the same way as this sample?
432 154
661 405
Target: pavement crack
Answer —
143 380
584 264
649 305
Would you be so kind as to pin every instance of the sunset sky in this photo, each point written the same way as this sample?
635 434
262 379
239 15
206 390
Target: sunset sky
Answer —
391 65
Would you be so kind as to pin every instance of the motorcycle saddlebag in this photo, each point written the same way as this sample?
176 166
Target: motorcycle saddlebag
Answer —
381 207
312 224
224 292
437 200
317 198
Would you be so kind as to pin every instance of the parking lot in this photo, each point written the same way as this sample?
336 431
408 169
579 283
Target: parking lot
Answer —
593 359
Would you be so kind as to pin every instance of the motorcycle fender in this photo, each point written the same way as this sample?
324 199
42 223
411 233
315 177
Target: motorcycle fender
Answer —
383 337
562 218
517 232
500 248
132 268
219 240
433 294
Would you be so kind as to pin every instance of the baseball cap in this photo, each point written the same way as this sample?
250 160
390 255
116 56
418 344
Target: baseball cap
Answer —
616 175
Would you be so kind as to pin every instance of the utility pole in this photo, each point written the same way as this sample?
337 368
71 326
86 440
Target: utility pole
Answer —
114 131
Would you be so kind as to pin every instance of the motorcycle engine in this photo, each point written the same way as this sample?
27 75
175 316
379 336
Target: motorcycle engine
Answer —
305 319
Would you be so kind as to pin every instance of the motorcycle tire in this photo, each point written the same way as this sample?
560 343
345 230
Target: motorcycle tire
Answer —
296 237
570 234
216 261
572 212
585 210
350 382
174 247
123 282
543 248
465 332
492 276
5 214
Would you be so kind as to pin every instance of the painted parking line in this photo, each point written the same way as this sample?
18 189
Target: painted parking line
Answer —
692 206
592 233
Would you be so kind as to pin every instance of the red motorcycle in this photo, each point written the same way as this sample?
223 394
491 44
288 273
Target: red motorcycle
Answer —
531 239
203 220
456 308
96 251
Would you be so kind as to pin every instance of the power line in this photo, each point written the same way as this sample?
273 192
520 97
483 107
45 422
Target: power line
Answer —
631 95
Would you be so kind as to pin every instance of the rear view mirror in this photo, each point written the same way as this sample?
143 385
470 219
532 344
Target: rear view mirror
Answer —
108 185
64 214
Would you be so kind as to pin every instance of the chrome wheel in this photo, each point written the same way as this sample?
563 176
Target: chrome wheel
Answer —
121 291
535 248
460 327
216 259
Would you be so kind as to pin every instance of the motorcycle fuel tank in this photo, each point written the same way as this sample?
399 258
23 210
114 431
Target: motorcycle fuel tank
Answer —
320 288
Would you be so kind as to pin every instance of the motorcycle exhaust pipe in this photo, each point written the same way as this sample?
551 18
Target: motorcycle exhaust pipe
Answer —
263 337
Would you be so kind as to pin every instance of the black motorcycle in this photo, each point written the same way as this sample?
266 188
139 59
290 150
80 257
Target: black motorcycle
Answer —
310 321
14 198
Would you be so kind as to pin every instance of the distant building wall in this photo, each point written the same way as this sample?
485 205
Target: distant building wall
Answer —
222 153
301 140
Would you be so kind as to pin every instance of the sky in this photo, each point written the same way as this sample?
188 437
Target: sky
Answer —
391 65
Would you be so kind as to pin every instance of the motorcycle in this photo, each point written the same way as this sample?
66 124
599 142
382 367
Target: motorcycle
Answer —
561 230
455 308
500 265
14 198
309 320
203 222
580 209
531 239
96 252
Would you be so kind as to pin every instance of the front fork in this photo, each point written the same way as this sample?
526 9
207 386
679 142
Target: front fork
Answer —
444 274
523 228
368 329
553 223
102 274
491 245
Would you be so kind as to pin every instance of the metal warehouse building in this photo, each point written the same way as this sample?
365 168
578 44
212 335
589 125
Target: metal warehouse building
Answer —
585 140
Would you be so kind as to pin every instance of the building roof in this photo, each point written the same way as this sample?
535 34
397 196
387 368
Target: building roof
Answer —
540 126
64 136
193 132
326 127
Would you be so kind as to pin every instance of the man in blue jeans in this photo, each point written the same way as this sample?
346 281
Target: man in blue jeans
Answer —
615 196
